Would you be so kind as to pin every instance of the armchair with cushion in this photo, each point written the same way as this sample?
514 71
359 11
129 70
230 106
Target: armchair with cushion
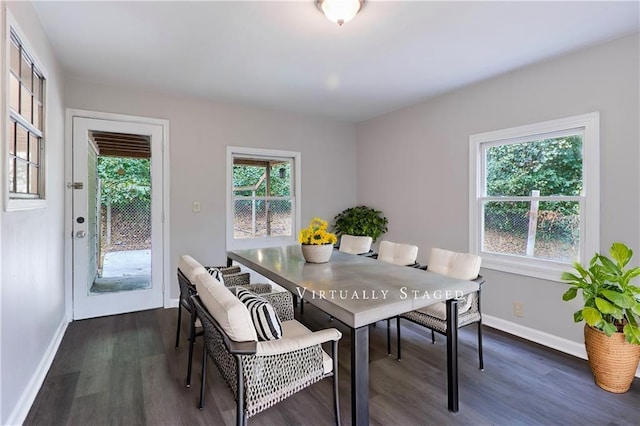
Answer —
457 265
261 373
188 269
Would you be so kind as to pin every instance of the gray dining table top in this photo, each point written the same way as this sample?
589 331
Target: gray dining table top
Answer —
357 290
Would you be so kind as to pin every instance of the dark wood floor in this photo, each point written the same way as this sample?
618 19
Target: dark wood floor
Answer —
124 370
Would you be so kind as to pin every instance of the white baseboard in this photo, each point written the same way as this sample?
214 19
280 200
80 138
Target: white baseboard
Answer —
558 343
20 411
171 303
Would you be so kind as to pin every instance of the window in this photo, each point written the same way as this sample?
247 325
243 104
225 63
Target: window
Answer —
263 205
534 196
25 127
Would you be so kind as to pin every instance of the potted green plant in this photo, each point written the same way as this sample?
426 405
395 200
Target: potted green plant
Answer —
611 312
361 221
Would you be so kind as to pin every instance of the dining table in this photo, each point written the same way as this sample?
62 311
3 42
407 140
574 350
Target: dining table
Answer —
359 291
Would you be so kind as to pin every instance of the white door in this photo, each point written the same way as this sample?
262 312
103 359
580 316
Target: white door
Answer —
120 280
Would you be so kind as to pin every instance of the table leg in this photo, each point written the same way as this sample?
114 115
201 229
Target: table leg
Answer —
360 376
452 355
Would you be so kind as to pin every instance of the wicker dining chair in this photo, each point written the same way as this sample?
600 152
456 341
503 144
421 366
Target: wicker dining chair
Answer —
188 269
398 254
463 266
261 373
355 244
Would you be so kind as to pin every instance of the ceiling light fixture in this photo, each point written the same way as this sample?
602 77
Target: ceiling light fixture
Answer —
340 11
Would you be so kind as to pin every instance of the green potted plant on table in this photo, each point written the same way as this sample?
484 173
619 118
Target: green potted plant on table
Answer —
611 312
317 243
361 221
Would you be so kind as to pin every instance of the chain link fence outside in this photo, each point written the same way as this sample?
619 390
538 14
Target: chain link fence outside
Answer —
125 226
552 232
258 218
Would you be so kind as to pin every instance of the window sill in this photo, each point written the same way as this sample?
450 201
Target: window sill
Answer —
535 268
15 204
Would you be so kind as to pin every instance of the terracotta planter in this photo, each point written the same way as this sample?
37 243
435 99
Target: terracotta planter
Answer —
613 361
317 253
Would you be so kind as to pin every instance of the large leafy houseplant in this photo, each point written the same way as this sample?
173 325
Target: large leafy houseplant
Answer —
611 302
611 310
361 221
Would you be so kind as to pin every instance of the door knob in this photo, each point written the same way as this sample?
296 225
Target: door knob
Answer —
81 234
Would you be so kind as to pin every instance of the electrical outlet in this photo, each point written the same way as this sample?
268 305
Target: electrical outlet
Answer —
196 206
518 309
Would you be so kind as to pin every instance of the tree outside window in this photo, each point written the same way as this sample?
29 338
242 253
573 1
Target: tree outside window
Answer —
543 224
534 195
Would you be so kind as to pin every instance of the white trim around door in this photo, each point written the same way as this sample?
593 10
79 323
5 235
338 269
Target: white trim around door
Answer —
166 263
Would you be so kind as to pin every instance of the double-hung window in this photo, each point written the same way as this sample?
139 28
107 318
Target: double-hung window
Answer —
534 206
263 205
25 127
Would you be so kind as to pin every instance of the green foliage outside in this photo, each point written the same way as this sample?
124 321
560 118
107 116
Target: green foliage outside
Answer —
552 166
124 180
244 176
280 185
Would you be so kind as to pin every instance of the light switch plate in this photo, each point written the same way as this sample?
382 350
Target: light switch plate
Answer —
196 206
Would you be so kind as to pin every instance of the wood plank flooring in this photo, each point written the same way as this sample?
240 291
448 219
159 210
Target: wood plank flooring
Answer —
124 370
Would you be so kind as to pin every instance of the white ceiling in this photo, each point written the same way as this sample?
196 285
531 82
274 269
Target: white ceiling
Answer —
288 56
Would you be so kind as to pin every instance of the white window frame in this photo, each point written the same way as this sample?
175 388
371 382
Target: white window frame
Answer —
17 203
589 125
235 244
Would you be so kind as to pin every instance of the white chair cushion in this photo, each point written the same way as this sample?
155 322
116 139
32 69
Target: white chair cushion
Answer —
398 254
439 310
190 268
463 266
355 245
296 336
232 315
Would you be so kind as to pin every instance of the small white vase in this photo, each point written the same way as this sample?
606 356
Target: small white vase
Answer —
317 253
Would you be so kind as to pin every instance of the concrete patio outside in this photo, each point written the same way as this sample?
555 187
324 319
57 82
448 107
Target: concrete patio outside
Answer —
124 271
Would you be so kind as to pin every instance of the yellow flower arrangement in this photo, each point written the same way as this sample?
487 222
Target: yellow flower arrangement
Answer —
316 233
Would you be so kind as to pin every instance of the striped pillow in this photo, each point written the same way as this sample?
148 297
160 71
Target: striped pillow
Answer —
215 273
265 319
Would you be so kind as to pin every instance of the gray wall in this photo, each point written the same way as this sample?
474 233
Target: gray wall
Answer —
413 164
200 131
31 272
